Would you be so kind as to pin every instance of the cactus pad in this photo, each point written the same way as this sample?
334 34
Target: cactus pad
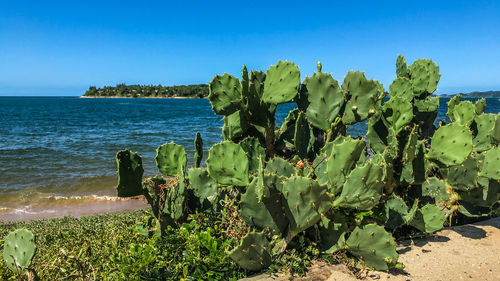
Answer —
235 126
227 164
225 94
398 112
401 87
375 246
325 100
491 164
280 167
282 83
342 159
463 176
171 159
451 144
363 97
198 150
401 68
307 201
253 253
254 152
485 123
363 187
463 113
18 250
428 219
424 75
202 184
130 172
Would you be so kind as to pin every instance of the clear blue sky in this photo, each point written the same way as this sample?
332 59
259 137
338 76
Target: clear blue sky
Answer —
62 47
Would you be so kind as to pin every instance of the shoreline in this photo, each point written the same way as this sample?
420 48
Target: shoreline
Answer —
75 209
117 97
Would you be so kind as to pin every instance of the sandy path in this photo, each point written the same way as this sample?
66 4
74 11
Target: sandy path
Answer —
468 252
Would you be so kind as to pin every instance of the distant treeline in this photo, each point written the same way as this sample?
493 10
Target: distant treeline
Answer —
488 94
139 91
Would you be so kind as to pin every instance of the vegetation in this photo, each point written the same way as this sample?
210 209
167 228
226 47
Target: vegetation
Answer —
141 91
310 181
487 94
272 198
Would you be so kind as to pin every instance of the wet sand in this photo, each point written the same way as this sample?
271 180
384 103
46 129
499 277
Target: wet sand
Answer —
74 208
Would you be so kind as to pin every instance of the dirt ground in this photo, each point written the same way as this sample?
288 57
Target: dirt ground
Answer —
468 252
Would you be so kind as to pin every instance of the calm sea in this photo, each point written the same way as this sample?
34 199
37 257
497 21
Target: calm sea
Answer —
55 148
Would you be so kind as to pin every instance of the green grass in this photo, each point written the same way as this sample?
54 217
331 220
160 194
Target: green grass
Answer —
109 247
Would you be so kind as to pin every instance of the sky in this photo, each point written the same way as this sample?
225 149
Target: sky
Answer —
63 47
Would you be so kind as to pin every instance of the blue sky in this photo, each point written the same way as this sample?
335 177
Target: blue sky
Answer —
63 47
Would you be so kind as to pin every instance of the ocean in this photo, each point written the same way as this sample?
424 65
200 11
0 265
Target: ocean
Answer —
58 150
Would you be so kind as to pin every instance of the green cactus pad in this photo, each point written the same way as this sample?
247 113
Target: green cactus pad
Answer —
282 83
495 136
414 170
280 167
253 253
429 104
332 232
480 106
463 113
302 136
451 144
375 246
395 212
171 159
254 152
363 97
463 176
491 164
451 105
18 249
266 211
202 184
428 219
377 133
485 195
436 191
175 200
245 83
227 164
485 123
401 87
225 94
425 76
235 126
363 187
307 201
342 159
198 150
401 68
398 112
130 172
325 100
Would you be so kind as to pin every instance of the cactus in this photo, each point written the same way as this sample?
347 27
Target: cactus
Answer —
374 246
363 97
451 144
325 99
491 163
463 176
130 172
436 191
176 201
463 113
484 123
280 167
171 159
235 126
363 187
198 150
398 112
401 87
307 201
266 211
227 164
253 252
282 83
401 68
254 152
425 76
397 214
302 136
332 232
202 184
428 219
18 250
342 159
225 94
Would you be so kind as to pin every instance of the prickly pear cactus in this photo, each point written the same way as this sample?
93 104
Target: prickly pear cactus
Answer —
224 94
171 159
363 96
282 83
253 253
372 244
202 184
130 172
342 159
198 150
425 76
227 164
18 249
451 144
